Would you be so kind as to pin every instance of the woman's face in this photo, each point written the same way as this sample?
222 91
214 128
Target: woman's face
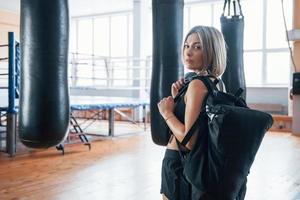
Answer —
192 53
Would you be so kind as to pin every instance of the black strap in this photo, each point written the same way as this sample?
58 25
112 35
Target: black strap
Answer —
190 133
179 150
234 8
185 86
202 132
228 3
210 85
181 91
228 7
238 92
240 7
224 6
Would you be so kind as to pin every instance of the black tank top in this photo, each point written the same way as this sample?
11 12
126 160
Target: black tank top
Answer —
179 109
179 112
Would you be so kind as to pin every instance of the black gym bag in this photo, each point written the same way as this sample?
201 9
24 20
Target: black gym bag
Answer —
230 134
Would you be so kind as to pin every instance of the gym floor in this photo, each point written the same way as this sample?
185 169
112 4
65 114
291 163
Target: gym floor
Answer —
128 168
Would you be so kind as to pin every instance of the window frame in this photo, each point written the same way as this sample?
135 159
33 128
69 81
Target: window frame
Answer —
263 50
75 21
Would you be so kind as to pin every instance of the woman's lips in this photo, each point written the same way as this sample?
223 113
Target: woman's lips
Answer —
189 61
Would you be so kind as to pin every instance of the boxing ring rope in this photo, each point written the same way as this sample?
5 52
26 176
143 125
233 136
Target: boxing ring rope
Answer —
97 105
127 72
110 104
99 64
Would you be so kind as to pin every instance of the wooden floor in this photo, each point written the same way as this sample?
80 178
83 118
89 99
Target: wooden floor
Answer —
128 168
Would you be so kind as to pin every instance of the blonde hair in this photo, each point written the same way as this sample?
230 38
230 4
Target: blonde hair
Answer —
213 47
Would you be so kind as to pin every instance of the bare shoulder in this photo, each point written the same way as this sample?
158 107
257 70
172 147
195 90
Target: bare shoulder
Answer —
197 87
196 90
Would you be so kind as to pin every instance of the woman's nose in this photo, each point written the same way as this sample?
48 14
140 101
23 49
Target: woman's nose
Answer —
189 52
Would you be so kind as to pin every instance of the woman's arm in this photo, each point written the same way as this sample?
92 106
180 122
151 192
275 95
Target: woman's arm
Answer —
195 95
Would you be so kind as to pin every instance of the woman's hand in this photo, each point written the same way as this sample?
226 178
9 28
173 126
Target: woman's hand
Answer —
166 107
176 87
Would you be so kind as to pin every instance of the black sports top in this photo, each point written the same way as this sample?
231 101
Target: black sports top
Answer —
179 112
179 109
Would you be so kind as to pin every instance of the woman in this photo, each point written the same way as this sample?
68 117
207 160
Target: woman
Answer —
204 53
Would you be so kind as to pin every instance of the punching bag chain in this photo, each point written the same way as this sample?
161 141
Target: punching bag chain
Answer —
228 2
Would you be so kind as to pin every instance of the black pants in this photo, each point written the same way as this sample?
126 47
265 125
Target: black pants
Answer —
242 193
173 184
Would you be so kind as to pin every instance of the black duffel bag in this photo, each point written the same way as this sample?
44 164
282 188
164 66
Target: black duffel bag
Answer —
229 137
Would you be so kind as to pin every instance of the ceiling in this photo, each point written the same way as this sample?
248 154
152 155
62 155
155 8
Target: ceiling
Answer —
88 7
80 7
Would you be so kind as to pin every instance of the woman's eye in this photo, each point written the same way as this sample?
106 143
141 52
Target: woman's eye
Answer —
186 46
197 47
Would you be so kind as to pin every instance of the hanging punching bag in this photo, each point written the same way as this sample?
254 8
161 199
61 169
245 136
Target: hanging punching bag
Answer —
44 97
232 27
167 66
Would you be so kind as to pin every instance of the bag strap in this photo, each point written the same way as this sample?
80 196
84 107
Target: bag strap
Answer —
210 85
204 79
181 91
192 130
190 133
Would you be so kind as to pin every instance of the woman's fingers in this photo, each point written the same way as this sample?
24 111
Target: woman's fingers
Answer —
163 100
178 84
181 80
174 85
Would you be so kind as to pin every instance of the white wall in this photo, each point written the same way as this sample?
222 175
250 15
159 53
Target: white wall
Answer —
90 7
269 95
10 5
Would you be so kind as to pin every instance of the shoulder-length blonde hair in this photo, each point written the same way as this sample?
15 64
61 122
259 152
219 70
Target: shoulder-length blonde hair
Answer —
213 47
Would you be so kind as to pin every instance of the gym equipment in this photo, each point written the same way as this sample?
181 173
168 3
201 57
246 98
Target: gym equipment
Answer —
44 98
8 109
166 65
111 104
232 27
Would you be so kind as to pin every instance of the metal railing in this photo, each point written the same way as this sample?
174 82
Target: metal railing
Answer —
109 72
12 79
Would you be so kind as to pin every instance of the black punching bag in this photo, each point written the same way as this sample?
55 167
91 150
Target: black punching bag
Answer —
233 30
167 65
44 97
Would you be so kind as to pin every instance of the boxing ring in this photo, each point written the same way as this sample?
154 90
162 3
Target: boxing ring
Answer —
9 85
110 104
97 105
9 94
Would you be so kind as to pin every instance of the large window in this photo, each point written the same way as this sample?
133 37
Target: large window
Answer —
104 35
266 55
101 46
85 35
108 39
